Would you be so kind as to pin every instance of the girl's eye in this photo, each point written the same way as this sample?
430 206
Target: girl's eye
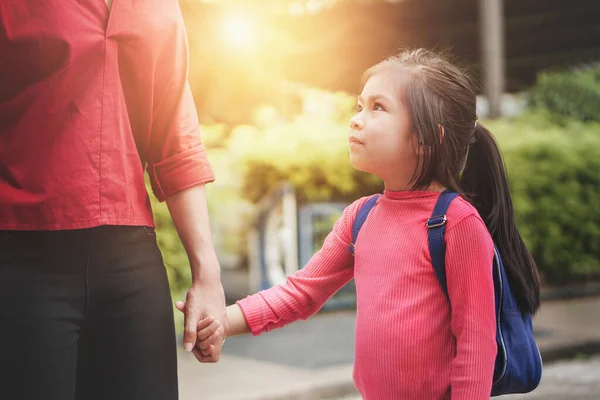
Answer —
378 107
358 108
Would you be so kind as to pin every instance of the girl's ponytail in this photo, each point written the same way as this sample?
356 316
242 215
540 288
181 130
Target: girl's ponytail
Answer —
484 182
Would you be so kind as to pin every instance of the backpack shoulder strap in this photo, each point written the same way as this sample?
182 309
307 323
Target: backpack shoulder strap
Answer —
361 217
436 227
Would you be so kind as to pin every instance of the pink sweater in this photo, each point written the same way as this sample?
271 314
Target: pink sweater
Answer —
409 344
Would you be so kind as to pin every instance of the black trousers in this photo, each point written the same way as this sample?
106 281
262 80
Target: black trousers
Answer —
85 314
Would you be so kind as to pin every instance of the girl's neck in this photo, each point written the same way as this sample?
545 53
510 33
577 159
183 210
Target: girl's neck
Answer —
395 187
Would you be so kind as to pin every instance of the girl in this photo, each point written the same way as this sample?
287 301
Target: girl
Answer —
415 128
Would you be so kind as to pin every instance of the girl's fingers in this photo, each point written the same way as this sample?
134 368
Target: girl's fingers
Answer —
203 358
204 323
214 339
208 351
208 329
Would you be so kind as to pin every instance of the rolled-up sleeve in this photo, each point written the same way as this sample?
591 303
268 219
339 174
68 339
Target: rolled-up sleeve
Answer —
177 159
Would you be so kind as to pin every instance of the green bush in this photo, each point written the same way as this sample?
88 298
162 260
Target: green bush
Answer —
310 151
174 256
571 94
554 174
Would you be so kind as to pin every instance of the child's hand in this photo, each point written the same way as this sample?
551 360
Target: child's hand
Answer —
210 335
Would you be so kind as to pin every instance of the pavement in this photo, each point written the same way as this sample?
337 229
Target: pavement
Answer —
312 360
574 380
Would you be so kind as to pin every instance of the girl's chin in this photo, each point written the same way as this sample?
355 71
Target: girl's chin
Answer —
358 164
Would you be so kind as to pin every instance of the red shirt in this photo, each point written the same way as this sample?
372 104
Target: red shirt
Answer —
411 342
88 99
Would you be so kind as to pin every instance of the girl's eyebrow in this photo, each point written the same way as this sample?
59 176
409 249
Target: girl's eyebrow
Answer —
377 96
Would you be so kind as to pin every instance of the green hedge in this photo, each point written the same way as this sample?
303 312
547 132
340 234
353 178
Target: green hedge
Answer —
555 181
569 94
311 152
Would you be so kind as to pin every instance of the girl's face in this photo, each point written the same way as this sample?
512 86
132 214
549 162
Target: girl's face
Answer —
382 141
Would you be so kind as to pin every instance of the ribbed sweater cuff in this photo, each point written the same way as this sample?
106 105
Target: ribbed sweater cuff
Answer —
257 313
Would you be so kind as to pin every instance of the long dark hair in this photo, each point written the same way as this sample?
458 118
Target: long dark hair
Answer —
462 155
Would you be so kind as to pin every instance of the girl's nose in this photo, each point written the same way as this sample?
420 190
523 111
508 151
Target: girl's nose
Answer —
356 123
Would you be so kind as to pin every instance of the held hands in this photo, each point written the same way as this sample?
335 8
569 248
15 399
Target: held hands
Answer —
210 337
205 298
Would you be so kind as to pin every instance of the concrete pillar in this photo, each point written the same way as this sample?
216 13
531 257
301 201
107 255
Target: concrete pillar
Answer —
491 22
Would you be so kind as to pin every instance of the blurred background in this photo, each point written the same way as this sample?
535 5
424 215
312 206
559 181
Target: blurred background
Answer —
275 83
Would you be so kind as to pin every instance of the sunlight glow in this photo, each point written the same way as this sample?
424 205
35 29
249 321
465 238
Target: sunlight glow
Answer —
296 9
313 6
239 30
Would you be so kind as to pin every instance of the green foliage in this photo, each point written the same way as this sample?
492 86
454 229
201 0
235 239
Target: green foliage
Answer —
554 173
311 151
174 256
569 94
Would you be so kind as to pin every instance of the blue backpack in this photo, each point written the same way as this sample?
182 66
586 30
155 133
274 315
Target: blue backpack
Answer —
518 366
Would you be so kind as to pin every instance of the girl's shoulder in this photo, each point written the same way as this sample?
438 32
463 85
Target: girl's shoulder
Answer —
344 225
352 210
460 210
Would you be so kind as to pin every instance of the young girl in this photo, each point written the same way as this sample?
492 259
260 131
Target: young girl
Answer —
415 128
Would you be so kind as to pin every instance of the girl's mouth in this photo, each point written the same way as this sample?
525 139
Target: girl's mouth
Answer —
354 141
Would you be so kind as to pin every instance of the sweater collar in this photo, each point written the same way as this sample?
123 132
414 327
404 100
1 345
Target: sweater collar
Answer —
408 194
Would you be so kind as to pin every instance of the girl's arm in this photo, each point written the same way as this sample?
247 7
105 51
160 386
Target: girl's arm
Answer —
237 321
301 296
469 256
305 292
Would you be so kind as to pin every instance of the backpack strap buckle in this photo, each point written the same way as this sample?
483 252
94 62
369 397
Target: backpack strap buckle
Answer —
437 221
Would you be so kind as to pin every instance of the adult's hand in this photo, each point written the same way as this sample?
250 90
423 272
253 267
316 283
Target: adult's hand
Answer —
209 335
204 300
